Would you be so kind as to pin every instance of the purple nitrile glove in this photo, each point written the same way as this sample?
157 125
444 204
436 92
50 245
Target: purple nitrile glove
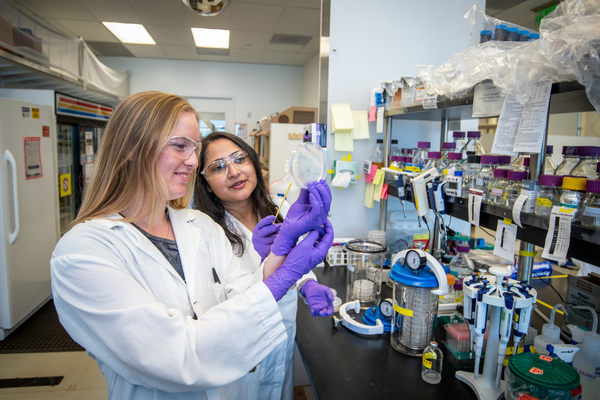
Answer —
319 298
304 257
263 235
306 214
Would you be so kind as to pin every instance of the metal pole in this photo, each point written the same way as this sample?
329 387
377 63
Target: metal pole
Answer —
387 137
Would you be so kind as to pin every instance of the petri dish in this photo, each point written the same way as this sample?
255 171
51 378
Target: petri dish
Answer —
307 164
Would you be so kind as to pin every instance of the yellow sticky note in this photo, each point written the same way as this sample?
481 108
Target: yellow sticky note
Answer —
369 195
378 180
361 125
343 141
507 221
377 191
341 115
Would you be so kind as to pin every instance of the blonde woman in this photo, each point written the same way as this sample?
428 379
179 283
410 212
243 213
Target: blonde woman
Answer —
151 289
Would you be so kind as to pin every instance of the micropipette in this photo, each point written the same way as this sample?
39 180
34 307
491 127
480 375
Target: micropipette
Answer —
505 329
480 322
522 318
469 305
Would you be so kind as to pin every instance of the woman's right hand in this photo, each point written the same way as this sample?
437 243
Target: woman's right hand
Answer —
308 213
305 256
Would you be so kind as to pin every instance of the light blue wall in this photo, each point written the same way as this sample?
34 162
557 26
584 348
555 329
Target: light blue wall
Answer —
384 40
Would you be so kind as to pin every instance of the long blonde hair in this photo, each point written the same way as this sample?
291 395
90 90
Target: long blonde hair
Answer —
125 167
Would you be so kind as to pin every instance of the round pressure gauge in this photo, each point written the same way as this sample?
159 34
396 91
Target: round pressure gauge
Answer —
415 259
386 308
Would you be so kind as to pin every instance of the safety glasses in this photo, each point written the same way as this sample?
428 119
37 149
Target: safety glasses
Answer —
183 147
219 167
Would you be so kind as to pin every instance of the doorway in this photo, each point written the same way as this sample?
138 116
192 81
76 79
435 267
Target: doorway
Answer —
216 113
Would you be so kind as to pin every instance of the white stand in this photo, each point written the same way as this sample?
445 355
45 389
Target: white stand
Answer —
485 385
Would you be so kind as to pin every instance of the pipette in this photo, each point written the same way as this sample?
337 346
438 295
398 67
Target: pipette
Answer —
282 201
505 329
469 305
480 322
522 318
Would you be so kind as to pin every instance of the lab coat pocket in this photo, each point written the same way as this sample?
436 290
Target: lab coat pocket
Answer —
215 293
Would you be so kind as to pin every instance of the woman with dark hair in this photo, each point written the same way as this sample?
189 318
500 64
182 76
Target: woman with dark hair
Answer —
231 190
150 288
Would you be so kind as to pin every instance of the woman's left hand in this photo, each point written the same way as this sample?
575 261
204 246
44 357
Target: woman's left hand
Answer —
263 235
319 298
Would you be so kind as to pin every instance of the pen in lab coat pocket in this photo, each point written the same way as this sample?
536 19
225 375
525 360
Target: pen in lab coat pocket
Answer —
215 276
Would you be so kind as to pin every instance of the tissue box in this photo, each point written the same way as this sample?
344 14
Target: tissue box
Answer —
583 291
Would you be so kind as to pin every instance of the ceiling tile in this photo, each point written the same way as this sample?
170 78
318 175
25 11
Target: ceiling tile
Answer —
223 20
299 21
305 3
146 51
256 17
270 2
171 35
31 6
109 49
88 30
246 56
67 9
277 57
312 46
284 47
301 58
112 11
180 52
249 40
159 12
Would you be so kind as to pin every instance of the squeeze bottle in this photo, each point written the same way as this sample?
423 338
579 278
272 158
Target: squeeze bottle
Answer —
587 360
550 333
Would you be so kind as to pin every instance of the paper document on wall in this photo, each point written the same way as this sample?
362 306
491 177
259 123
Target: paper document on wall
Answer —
532 127
341 117
488 100
361 125
343 141
508 125
369 195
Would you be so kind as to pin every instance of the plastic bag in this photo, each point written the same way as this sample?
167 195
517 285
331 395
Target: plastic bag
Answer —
479 21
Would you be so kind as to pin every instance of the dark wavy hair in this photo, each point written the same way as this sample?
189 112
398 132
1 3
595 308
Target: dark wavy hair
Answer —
209 204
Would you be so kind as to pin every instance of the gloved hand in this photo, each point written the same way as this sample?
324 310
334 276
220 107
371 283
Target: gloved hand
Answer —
319 298
306 214
263 235
304 257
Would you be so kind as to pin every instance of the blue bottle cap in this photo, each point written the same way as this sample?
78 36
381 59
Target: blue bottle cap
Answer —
534 35
513 30
485 32
501 26
524 32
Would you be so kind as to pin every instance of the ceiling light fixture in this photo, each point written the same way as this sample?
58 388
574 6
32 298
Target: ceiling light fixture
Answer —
211 38
130 33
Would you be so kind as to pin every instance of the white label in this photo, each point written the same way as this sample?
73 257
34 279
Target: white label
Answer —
558 237
430 102
479 182
380 119
506 237
497 192
529 206
367 166
89 143
516 211
475 196
591 211
350 268
487 100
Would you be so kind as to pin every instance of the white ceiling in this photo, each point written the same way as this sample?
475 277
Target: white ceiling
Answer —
252 24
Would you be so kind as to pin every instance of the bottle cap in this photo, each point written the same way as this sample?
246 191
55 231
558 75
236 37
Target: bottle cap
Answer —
449 145
474 134
504 160
458 134
524 32
593 186
516 175
458 173
551 180
379 140
589 151
474 159
526 161
598 167
424 145
485 32
463 248
434 154
489 159
501 26
534 35
394 141
574 183
549 149
500 173
572 151
454 156
512 29
458 284
451 279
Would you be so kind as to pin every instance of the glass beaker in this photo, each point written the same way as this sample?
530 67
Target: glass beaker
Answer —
365 271
415 308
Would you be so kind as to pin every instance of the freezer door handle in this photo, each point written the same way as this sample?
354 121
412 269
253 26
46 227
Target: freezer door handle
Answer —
11 160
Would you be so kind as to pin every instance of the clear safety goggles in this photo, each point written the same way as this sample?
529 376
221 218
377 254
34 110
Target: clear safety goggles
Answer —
219 167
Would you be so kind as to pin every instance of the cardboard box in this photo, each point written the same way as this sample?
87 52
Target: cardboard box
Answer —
24 38
6 34
296 115
583 291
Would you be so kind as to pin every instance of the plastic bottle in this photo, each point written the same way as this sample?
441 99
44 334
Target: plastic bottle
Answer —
377 154
470 173
549 166
473 143
523 36
570 160
500 33
451 295
395 154
447 147
458 291
452 165
279 187
434 162
587 360
588 161
485 36
533 36
573 195
550 333
431 370
512 34
499 186
461 263
420 159
485 176
590 212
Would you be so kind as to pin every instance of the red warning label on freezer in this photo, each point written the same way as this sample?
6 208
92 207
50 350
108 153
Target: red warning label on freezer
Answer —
45 131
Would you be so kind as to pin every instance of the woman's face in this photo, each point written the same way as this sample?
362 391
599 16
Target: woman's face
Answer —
173 165
236 183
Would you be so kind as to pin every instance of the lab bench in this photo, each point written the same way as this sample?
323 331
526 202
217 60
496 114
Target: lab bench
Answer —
342 364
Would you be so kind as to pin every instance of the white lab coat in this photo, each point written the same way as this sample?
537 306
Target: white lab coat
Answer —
117 296
277 369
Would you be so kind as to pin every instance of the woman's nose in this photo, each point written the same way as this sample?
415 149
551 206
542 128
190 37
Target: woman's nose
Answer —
232 170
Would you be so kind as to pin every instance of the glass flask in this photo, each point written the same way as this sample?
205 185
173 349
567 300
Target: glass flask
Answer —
431 370
365 272
573 194
550 192
590 212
